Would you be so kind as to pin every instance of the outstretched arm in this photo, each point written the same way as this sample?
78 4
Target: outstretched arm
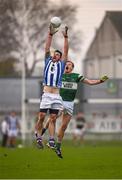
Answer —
66 44
95 82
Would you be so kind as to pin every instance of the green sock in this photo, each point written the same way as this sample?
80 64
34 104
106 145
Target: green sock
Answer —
58 145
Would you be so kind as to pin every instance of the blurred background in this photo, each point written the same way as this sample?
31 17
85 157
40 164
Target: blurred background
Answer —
95 41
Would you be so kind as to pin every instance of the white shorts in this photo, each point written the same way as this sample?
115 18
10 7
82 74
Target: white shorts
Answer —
68 107
12 133
51 101
79 132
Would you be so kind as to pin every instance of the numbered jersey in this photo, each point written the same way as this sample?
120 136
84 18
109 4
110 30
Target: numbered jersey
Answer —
53 72
70 85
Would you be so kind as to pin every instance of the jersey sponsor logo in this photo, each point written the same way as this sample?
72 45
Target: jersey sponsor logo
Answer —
69 85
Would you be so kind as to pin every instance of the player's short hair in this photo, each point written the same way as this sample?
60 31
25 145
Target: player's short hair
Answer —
58 52
71 63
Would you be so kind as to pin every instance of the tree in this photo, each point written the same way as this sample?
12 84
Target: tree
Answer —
24 26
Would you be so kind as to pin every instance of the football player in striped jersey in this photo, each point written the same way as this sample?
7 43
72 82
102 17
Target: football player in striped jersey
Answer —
51 100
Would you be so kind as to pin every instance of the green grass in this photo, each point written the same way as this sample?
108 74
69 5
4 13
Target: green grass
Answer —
100 160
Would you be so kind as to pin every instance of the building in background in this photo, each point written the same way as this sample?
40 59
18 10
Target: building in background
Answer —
104 55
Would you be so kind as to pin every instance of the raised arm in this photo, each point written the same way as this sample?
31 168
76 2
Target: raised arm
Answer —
48 45
51 32
66 44
96 81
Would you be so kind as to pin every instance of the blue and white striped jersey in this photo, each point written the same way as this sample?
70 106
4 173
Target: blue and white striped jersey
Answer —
53 72
12 122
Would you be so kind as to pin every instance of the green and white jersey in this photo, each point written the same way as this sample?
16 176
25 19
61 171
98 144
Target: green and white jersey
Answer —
70 85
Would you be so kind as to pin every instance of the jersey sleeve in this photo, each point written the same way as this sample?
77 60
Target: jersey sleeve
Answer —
63 65
80 78
47 59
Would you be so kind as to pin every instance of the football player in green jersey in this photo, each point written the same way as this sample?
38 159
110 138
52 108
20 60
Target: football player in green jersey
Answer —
68 91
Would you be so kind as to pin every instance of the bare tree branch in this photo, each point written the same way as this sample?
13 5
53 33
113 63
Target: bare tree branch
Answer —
23 27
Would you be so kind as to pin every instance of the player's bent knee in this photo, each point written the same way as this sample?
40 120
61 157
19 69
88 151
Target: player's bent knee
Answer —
53 117
41 116
63 127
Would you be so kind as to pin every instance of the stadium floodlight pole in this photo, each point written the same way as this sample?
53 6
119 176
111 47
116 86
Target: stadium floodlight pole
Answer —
23 107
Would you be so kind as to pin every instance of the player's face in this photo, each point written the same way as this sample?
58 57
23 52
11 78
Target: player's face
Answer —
56 56
68 67
13 114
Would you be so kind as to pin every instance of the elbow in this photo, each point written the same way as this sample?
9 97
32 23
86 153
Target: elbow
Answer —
47 50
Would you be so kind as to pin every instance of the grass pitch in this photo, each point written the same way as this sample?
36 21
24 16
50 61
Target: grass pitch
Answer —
91 161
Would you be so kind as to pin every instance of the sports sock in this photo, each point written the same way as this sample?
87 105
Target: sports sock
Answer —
51 139
38 135
43 130
58 145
